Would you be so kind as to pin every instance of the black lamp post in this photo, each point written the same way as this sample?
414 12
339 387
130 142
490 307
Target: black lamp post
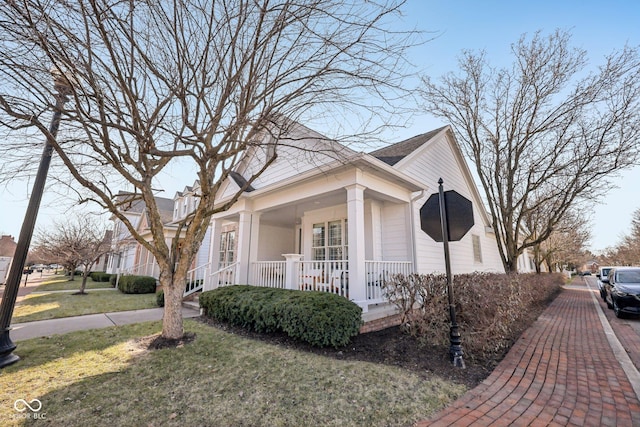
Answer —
61 86
455 341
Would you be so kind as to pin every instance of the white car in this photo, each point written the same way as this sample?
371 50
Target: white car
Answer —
603 277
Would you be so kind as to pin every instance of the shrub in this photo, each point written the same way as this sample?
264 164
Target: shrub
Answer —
137 284
318 318
112 280
491 309
100 276
160 299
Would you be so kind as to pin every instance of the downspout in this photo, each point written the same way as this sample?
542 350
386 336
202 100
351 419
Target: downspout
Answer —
414 245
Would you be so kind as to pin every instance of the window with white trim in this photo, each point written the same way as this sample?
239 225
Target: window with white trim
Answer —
227 253
330 240
477 249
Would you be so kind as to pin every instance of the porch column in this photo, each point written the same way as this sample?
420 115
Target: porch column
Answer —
244 247
357 274
214 247
253 246
291 270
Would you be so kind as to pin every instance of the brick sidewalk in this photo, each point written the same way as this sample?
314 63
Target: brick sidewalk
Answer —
561 372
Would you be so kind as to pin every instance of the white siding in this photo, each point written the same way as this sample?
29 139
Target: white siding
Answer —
275 241
435 161
303 151
202 257
394 233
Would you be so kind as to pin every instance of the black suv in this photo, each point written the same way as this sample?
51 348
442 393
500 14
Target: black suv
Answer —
623 290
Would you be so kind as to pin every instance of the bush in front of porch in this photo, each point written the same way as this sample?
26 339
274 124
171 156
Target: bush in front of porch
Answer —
319 318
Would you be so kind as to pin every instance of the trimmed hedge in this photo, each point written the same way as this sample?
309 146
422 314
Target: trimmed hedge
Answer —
490 308
112 280
137 284
100 276
318 318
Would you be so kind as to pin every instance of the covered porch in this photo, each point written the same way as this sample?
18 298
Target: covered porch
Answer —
345 233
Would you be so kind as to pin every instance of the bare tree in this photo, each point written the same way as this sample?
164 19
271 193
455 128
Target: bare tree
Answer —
566 245
76 242
542 132
194 83
627 252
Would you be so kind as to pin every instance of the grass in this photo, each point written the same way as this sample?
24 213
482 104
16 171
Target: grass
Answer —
62 283
42 306
101 377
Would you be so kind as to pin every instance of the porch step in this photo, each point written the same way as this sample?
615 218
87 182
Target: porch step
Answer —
192 303
380 316
379 311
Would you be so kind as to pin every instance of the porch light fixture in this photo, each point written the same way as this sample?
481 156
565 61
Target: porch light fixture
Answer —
63 89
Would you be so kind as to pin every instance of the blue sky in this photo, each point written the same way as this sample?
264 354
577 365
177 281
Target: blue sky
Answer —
597 26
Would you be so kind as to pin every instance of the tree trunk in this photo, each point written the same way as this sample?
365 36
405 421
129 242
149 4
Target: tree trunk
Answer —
83 286
173 293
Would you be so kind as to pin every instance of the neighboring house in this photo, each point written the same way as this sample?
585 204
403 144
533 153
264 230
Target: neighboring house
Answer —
590 266
327 218
127 255
102 262
527 262
7 250
7 246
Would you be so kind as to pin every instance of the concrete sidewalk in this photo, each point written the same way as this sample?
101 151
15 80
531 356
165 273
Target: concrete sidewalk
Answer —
42 328
568 368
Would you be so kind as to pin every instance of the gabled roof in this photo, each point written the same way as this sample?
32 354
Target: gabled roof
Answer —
165 207
398 151
133 203
188 189
404 152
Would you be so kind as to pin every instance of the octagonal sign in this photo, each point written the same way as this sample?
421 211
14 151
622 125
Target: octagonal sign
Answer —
459 212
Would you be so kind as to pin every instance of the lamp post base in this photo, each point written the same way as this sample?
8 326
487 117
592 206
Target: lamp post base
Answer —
8 359
6 348
455 349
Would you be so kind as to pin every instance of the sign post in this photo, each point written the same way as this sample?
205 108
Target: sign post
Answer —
454 215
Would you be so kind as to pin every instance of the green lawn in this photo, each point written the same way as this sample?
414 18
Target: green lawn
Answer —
41 306
102 377
62 283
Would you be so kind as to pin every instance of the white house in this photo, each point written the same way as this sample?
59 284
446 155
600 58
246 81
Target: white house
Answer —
327 218
324 217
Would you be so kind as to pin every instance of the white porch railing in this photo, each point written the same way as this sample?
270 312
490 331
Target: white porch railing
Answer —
379 271
195 279
326 276
270 274
223 277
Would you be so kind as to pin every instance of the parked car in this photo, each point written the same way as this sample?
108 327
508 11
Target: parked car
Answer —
603 278
623 290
